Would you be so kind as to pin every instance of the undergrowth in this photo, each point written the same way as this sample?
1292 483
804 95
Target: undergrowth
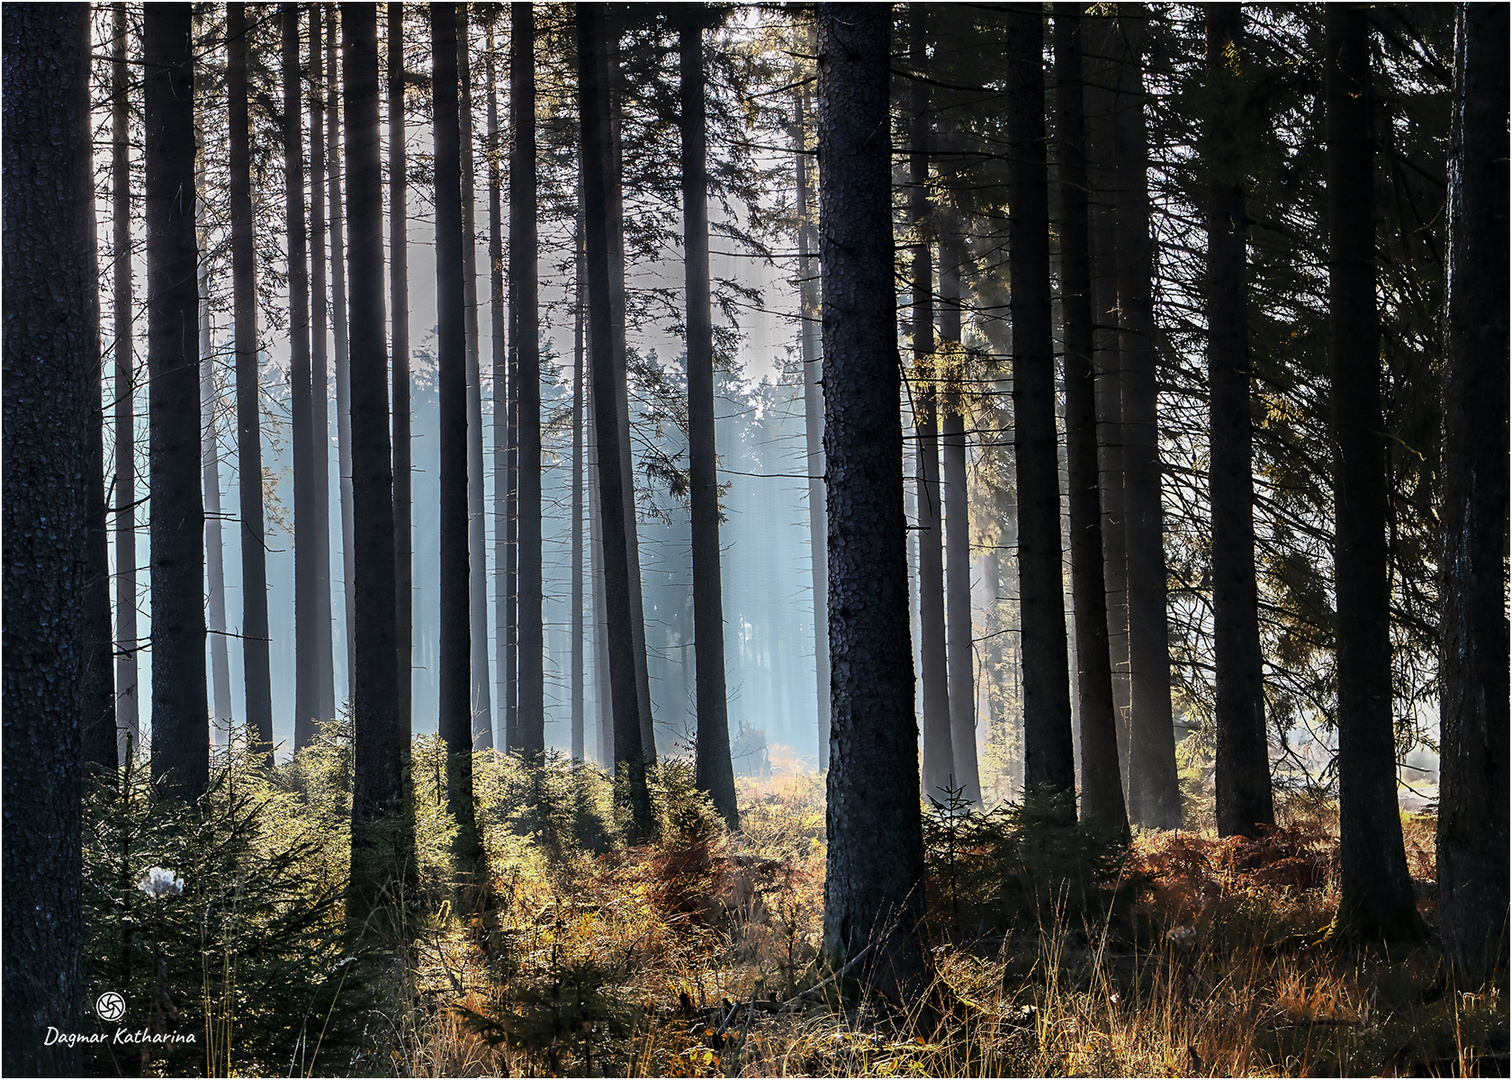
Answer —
1056 949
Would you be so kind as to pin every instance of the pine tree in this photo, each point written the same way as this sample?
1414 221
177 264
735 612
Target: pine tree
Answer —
400 364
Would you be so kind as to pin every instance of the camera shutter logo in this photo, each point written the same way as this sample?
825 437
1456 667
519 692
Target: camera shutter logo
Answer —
110 1006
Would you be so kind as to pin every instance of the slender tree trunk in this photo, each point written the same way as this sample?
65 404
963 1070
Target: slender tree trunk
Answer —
813 414
320 409
128 710
51 362
306 666
1242 775
875 866
399 352
1154 799
477 551
503 390
339 327
603 711
382 839
939 755
524 336
98 734
593 112
714 771
1048 756
577 672
1375 892
1102 795
254 640
180 728
456 689
221 720
1473 637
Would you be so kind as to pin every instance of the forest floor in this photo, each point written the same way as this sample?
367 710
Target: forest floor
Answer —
1054 951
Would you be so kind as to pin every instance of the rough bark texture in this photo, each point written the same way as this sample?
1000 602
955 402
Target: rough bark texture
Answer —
1049 759
254 640
1154 799
1473 718
525 340
873 890
1375 892
51 356
339 327
713 769
1102 796
399 354
180 726
593 113
455 650
1242 774
301 399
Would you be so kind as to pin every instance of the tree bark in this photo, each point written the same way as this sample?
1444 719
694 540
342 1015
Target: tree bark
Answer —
339 326
525 339
1102 795
1242 775
714 771
320 396
455 649
1375 892
180 726
875 865
1049 760
221 718
400 359
51 359
593 112
1473 723
577 671
254 640
506 636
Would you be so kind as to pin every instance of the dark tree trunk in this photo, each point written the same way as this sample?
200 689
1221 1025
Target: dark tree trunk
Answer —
1242 775
456 689
254 640
1049 760
128 711
1154 799
813 416
221 720
524 338
714 771
51 372
399 352
320 409
99 717
875 866
593 113
1375 892
1102 796
939 754
1473 720
477 552
506 635
382 840
180 725
576 673
306 515
339 326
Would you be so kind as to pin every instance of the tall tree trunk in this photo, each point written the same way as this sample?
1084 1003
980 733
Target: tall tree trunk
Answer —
456 689
339 327
320 397
1154 799
1473 637
1102 795
525 339
399 350
713 768
1242 775
180 727
477 552
128 710
382 838
813 414
1048 756
503 391
306 550
576 674
1375 892
221 719
51 359
939 755
603 710
875 866
593 113
254 639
